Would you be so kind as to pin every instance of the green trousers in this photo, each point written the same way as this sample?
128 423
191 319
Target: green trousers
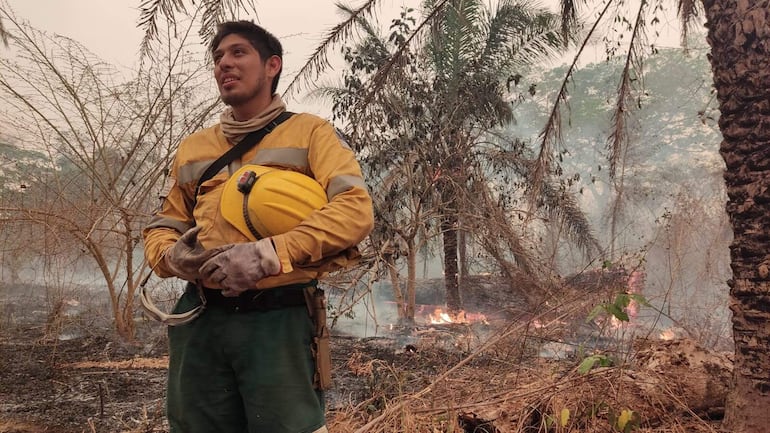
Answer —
242 372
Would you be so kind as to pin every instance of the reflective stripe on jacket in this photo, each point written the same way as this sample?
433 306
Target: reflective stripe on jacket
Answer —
304 143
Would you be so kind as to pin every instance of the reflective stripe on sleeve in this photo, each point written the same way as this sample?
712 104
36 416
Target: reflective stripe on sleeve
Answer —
158 222
190 173
343 183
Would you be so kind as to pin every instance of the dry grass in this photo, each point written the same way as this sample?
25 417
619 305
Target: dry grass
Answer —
129 364
502 383
13 426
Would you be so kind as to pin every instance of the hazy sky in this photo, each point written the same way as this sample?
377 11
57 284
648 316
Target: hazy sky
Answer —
109 27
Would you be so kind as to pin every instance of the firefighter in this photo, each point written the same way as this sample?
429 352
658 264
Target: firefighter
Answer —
255 359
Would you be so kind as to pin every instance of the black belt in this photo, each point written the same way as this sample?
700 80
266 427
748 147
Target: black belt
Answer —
257 300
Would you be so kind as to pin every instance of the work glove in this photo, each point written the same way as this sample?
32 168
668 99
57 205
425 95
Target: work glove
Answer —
241 266
186 256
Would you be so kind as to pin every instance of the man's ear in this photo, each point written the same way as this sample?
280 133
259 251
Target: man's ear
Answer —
274 65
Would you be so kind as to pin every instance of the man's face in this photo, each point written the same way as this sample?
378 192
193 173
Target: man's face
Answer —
242 75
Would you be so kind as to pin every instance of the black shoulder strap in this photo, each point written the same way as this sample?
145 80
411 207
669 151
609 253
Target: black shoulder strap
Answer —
239 149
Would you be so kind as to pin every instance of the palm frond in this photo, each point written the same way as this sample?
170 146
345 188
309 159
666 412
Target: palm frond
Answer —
687 11
454 41
328 92
562 206
3 34
550 136
537 42
519 36
498 30
569 20
367 26
632 72
497 234
318 61
620 140
465 26
381 76
215 12
151 12
212 13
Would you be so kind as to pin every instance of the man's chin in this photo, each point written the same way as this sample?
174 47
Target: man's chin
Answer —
232 99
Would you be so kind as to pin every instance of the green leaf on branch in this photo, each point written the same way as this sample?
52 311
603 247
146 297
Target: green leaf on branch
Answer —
590 362
618 312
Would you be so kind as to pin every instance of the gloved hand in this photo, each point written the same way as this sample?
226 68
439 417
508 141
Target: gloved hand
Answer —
187 255
240 267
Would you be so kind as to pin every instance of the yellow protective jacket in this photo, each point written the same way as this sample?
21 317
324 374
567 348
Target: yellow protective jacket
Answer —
304 143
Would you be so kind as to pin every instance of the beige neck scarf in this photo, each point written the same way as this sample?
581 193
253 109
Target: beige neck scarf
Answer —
235 130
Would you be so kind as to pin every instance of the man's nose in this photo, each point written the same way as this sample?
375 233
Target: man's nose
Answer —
225 62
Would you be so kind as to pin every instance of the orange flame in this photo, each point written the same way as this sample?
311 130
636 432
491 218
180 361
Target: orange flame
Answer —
439 317
667 334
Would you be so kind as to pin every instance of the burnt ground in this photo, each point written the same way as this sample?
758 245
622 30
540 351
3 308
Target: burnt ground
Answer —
437 377
71 373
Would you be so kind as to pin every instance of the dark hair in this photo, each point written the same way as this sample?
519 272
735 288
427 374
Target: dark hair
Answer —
266 44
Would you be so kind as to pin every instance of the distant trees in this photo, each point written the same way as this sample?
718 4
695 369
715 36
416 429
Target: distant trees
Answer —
106 143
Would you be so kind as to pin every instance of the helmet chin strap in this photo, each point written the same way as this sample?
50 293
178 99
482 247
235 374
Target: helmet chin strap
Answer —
247 217
169 319
246 183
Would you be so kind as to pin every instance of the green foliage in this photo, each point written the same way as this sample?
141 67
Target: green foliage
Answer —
11 153
19 165
617 308
595 360
558 421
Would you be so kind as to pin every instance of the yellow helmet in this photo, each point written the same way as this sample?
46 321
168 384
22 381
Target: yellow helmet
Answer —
261 201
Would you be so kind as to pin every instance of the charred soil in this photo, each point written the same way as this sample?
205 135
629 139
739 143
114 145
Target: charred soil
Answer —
488 376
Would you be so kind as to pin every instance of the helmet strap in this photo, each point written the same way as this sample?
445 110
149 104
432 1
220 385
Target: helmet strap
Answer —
247 218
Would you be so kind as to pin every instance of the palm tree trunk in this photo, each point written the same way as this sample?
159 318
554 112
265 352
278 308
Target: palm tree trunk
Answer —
451 284
739 36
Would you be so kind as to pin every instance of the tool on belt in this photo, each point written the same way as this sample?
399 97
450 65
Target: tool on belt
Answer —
316 303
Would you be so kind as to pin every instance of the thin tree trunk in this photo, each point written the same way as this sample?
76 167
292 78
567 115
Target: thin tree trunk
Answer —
395 283
411 280
462 251
739 36
128 329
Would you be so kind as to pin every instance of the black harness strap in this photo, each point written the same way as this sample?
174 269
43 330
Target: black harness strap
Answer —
239 149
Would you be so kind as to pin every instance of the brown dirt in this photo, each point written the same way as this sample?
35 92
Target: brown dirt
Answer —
484 377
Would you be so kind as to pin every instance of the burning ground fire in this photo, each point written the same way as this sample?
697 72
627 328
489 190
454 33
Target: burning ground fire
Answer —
667 334
440 317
